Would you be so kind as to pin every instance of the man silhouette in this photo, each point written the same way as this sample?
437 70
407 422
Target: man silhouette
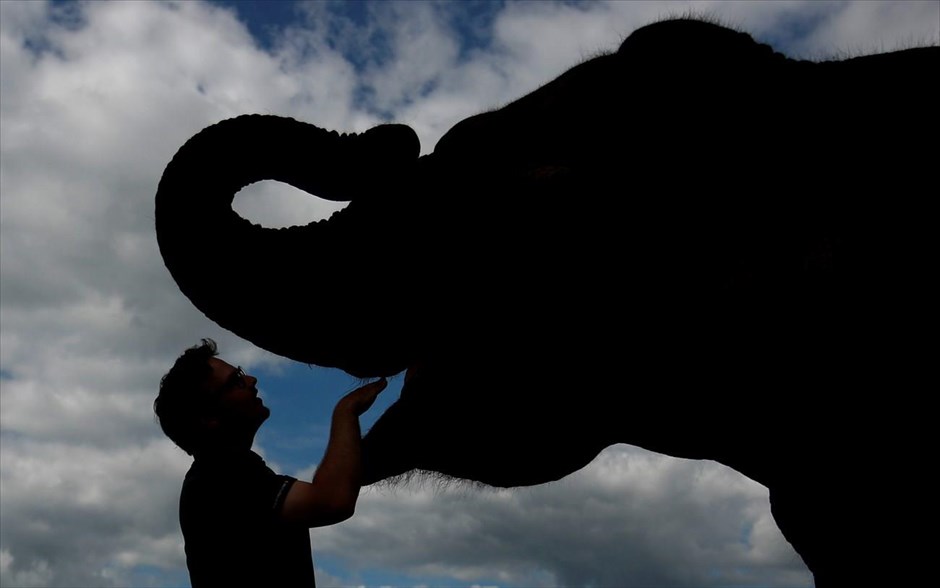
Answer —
243 524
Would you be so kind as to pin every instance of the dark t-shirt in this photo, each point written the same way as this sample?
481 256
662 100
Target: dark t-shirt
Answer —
229 515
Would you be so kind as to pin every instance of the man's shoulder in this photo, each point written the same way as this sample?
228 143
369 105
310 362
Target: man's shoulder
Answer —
219 482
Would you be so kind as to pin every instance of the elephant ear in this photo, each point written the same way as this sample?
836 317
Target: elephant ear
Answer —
298 291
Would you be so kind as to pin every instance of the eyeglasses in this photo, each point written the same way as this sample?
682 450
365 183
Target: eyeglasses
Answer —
234 382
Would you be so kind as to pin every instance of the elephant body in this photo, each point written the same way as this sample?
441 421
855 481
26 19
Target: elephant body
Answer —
695 245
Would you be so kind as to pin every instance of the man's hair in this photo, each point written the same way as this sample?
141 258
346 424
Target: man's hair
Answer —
183 398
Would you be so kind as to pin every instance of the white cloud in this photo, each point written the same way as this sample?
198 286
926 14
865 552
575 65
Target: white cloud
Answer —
38 574
73 512
96 98
664 521
91 111
274 205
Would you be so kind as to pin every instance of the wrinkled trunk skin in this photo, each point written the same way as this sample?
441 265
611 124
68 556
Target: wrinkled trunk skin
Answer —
694 245
312 293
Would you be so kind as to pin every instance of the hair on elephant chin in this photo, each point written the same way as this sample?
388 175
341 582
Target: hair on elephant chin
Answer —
428 479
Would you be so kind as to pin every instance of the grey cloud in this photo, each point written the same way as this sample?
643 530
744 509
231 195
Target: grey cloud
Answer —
85 139
275 205
860 28
631 518
90 317
78 516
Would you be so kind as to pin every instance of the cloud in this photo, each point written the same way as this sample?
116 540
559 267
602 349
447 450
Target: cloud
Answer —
848 29
95 98
664 521
74 515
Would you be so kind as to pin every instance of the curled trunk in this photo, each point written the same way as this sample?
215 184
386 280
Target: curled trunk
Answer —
313 293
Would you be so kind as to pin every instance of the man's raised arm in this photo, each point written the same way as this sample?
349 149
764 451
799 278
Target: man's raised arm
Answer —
331 496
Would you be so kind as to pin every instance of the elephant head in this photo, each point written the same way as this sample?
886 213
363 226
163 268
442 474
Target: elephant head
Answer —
665 244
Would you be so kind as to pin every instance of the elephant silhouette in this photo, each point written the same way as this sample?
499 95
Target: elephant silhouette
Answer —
694 244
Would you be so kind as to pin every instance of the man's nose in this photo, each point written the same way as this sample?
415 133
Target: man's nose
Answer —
251 380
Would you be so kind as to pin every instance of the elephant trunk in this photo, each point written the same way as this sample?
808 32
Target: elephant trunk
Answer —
312 293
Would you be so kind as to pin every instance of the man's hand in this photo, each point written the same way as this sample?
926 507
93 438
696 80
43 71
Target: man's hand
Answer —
411 371
359 400
331 496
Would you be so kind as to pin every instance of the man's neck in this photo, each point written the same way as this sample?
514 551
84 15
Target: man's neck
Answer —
223 446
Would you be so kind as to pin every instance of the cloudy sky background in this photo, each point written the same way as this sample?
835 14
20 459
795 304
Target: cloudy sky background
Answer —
94 101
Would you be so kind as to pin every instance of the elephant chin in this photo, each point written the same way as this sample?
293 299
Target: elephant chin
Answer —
427 430
312 293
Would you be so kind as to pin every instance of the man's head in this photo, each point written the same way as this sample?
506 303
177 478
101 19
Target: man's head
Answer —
204 400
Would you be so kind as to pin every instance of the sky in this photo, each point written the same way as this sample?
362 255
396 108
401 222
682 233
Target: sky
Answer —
94 101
